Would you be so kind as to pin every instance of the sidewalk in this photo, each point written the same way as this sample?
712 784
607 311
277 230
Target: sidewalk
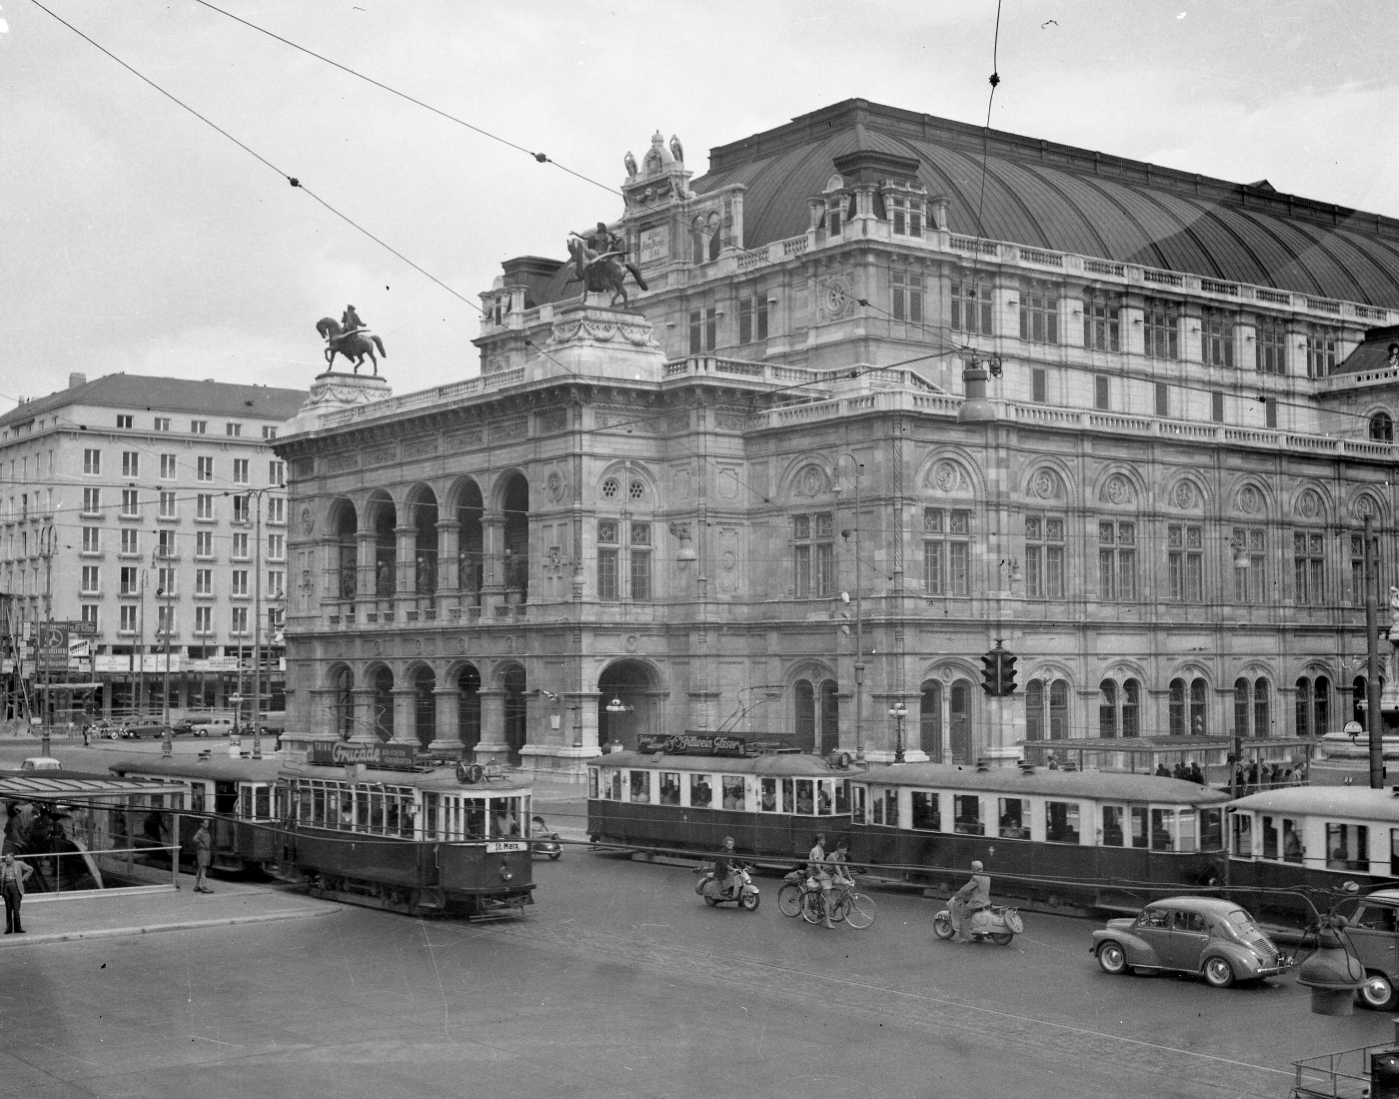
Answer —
91 915
564 807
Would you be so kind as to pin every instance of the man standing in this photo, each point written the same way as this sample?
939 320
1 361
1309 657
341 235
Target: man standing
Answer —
972 897
203 849
816 869
12 875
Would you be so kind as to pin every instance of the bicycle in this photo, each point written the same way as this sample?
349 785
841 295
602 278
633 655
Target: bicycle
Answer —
854 908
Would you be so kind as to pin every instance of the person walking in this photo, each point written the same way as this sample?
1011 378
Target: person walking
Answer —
12 876
203 848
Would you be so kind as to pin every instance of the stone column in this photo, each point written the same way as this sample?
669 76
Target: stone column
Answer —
362 727
492 745
492 550
448 542
404 699
447 741
321 721
405 582
364 571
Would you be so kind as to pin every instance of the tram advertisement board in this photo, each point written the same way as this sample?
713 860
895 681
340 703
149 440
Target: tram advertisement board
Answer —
388 757
692 744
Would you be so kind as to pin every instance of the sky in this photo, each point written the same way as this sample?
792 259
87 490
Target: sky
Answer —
134 237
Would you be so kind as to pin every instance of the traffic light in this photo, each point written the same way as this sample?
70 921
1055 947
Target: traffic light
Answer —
1007 673
991 673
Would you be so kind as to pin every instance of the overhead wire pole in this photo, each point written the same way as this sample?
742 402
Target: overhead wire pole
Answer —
1373 717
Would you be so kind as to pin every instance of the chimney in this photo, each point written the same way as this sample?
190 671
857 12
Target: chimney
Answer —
75 380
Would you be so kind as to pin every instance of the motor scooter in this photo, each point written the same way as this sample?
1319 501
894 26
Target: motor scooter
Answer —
997 923
714 893
542 841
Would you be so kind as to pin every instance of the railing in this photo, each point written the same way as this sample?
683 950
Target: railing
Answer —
1210 286
68 873
976 245
1277 297
1163 278
1038 255
1324 305
1104 267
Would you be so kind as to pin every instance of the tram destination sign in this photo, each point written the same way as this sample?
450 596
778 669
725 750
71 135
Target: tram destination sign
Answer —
388 757
693 744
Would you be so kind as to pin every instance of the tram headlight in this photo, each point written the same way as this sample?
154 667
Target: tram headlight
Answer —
506 874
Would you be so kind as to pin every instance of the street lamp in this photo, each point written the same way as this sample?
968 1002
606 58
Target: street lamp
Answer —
250 495
898 711
616 706
859 619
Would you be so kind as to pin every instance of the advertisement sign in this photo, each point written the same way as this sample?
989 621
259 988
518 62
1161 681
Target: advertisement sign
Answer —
388 757
692 744
51 646
150 663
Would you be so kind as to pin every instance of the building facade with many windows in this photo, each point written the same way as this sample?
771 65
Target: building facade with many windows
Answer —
131 505
760 500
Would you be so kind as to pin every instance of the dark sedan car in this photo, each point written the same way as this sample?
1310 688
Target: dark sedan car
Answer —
1206 936
138 730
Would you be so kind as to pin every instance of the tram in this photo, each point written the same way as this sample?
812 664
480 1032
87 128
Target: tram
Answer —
415 841
1092 839
695 790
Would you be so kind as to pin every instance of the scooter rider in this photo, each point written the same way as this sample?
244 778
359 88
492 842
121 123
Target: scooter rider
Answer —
724 869
972 897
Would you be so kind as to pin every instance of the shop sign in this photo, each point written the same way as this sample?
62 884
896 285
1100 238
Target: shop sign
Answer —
215 664
388 757
149 663
692 744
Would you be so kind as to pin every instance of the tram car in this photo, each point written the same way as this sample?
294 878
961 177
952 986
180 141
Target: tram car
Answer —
1086 839
772 804
417 842
1318 837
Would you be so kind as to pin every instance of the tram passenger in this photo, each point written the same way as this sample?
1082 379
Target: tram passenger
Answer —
505 824
670 790
1197 776
769 797
804 798
972 897
823 802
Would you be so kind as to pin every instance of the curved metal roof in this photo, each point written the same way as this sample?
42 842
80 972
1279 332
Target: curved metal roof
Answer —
1353 802
778 763
1066 199
1097 785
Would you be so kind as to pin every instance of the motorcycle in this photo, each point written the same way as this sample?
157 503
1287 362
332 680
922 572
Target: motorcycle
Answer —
997 923
542 841
714 893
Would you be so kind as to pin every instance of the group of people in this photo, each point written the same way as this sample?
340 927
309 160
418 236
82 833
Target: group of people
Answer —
823 871
1266 776
1189 772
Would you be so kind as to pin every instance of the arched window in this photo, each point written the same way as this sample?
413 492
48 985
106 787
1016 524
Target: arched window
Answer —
1131 708
1302 714
1321 706
1198 699
1242 696
930 719
804 739
1107 708
1046 709
1262 717
1034 710
1177 708
830 716
1059 709
1382 427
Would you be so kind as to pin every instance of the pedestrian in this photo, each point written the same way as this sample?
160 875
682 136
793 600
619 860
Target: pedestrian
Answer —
1197 776
87 735
203 849
12 875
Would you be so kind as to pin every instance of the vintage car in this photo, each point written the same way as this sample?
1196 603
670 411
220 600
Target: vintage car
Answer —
1201 935
1374 936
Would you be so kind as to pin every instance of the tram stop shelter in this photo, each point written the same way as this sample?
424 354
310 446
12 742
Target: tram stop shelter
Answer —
89 835
1138 754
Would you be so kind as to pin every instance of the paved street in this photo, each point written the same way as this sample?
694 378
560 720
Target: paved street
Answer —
620 982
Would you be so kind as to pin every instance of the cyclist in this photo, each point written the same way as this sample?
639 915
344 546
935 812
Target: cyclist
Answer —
819 877
837 861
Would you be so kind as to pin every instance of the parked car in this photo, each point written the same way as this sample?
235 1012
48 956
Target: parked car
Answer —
41 763
138 730
1205 936
214 726
1374 935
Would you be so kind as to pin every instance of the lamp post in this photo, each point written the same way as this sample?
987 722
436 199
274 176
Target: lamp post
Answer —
616 706
898 711
1241 563
249 496
859 618
1374 718
166 590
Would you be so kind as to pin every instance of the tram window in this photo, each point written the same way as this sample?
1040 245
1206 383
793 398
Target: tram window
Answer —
732 785
592 783
823 797
1211 829
505 817
1185 831
926 812
347 809
857 808
1270 838
806 802
843 796
1163 826
245 803
474 826
1292 849
891 808
670 788
789 800
768 796
1394 852
429 816
966 813
1138 826
196 799
612 785
641 786
1112 826
1243 836
1061 821
376 812
361 811
262 802
1347 847
1013 819
701 792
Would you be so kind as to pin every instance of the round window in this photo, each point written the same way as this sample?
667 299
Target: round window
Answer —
610 488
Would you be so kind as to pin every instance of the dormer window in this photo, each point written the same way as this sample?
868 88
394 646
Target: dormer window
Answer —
906 216
833 220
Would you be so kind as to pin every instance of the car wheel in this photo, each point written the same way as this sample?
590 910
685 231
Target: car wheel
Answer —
1219 973
555 855
1377 993
1112 959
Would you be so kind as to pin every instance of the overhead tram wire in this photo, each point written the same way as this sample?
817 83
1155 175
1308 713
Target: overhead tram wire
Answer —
542 158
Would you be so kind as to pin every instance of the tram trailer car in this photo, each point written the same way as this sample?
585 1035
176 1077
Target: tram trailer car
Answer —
771 804
1315 836
420 844
239 798
1094 834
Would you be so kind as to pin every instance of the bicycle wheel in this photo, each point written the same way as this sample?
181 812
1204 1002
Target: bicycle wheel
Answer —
789 899
813 906
859 910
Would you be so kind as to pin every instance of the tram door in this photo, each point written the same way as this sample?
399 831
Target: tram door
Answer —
226 806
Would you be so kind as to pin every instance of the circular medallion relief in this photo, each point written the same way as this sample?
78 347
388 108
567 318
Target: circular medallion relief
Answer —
308 521
811 481
1046 484
632 643
555 485
1184 495
1250 501
1308 505
947 477
836 296
727 560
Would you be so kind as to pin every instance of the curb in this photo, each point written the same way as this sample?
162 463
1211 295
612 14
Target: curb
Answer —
151 929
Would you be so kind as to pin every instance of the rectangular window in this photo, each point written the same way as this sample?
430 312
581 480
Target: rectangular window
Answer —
1061 822
204 543
701 791
199 427
1217 407
277 473
1039 312
130 503
276 547
971 306
162 423
268 431
240 509
813 555
1013 819
926 814
276 583
204 506
166 583
1309 567
966 814
130 463
607 556
906 296
1044 557
238 582
1217 338
276 509
130 580
167 467
91 579
204 469
1038 388
1185 562
1356 595
1270 347
204 620
1117 560
203 581
92 462
92 539
127 621
1322 347
238 621
946 551
1100 393
1163 399
1251 584
639 787
1161 330
129 544
233 430
1112 826
1102 322
92 501
1347 847
127 422
641 562
165 543
240 471
167 506
89 615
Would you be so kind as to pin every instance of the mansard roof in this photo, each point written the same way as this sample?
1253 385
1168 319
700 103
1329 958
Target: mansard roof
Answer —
1066 199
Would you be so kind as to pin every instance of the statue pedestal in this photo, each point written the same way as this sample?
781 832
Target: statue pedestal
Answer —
334 392
596 341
